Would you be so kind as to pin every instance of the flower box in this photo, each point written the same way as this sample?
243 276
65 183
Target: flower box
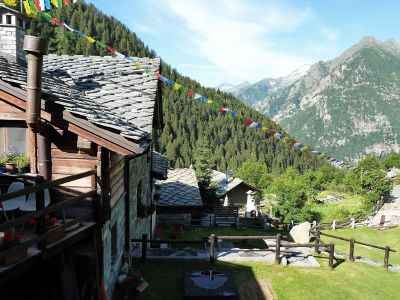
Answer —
14 258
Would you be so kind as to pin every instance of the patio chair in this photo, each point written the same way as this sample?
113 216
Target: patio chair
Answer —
30 204
17 202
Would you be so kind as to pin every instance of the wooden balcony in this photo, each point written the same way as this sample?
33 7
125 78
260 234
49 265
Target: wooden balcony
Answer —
43 242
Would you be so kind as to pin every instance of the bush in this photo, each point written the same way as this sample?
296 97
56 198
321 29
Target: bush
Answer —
342 213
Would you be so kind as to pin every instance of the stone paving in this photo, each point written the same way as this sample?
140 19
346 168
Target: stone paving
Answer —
391 210
296 257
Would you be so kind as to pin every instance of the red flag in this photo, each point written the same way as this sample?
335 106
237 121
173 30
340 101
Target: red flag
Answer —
190 93
55 22
67 2
248 122
157 74
110 49
221 108
292 143
37 4
271 133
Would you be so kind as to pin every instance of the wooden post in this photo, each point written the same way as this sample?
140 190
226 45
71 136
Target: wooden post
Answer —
317 235
278 249
351 254
144 247
331 255
386 259
212 247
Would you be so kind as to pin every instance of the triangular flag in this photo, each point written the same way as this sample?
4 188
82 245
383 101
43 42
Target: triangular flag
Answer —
163 79
248 121
233 114
292 143
67 2
148 72
215 105
46 16
55 3
264 129
190 93
253 124
119 55
271 133
132 59
37 5
177 86
28 9
81 34
60 3
69 28
209 101
304 148
47 4
197 96
277 135
42 5
184 90
91 40
157 74
170 82
56 22
33 5
111 49
138 65
10 2
101 44
204 99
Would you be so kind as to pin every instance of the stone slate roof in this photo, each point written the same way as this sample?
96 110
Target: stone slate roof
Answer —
159 165
113 83
224 186
180 189
132 93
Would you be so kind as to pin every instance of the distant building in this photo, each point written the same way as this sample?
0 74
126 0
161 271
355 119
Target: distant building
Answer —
235 188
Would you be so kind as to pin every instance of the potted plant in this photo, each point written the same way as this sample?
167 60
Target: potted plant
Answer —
22 162
9 159
8 240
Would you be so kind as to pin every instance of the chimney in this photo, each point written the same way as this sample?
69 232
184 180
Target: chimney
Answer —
12 33
35 48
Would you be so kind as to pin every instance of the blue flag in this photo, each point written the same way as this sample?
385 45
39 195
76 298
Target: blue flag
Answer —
47 4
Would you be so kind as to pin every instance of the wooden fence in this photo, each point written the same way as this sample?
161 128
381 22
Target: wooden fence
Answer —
44 233
317 233
213 239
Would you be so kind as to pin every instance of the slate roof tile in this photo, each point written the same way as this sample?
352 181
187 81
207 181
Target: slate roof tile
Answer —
180 189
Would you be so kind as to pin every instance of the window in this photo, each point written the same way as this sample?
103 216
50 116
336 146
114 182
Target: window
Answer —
8 20
114 243
11 136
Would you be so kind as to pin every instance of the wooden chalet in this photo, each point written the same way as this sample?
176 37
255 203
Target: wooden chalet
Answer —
85 123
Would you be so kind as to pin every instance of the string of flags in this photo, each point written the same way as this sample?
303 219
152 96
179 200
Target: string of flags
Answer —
32 9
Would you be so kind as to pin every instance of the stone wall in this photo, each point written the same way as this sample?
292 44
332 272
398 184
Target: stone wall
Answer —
139 169
12 38
113 265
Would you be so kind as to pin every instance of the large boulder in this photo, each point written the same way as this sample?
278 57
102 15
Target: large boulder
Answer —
301 233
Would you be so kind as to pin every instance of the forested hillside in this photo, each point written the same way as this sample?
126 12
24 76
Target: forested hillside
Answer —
188 123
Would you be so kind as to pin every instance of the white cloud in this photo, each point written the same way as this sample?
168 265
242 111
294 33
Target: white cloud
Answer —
236 36
330 35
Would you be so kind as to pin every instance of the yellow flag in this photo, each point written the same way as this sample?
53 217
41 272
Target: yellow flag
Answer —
304 148
137 65
91 40
264 129
55 3
29 11
177 86
209 101
11 2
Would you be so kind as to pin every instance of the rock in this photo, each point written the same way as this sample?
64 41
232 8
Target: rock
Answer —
301 233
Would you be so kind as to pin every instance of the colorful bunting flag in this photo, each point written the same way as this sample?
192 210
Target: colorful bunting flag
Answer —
110 49
233 114
148 71
69 28
55 3
292 143
271 133
221 108
215 104
197 96
190 93
47 4
209 101
277 135
46 16
10 2
184 90
163 79
170 82
60 3
30 12
176 86
101 44
92 40
248 122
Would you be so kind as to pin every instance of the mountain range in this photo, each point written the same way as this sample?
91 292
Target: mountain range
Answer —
348 106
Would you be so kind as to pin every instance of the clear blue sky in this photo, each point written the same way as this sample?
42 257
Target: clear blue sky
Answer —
217 41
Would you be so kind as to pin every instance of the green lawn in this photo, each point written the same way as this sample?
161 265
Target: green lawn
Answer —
374 236
347 281
329 211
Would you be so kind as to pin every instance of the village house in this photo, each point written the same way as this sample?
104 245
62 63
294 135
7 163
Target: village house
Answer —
86 124
234 190
178 198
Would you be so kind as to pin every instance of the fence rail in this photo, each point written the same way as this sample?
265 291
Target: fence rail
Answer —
213 239
317 233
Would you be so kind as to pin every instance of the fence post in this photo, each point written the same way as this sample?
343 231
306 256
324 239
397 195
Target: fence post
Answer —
333 225
314 224
353 223
351 254
317 235
386 259
144 247
278 249
212 247
331 255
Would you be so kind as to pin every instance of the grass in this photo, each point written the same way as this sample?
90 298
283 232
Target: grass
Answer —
329 211
194 233
373 236
346 281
